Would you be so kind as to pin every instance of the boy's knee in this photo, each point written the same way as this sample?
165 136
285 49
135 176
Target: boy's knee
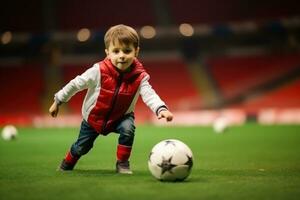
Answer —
81 150
127 135
128 130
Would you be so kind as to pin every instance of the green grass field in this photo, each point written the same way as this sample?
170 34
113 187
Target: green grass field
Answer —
247 162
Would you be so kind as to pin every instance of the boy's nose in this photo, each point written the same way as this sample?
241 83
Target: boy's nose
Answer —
122 55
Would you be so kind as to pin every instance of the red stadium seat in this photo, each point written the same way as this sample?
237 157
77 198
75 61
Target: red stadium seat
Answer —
235 75
22 89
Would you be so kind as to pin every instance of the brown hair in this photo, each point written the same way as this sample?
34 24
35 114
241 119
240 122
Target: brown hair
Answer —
123 34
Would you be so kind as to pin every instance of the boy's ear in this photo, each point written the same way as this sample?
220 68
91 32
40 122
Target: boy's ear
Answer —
137 51
106 51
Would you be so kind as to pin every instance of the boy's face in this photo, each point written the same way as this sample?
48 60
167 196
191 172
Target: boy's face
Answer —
121 55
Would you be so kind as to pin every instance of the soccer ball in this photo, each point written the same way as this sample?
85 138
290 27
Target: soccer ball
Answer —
170 160
9 132
220 124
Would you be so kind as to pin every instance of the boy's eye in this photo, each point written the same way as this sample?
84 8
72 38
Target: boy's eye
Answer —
115 51
127 51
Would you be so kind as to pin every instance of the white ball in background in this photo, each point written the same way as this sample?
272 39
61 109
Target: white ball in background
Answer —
9 132
220 124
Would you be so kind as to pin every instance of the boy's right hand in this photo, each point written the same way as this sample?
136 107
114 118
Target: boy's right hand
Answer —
53 110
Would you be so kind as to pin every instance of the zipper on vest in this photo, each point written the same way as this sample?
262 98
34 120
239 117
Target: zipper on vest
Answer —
113 101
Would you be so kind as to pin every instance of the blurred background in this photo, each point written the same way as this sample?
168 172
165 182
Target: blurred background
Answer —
207 59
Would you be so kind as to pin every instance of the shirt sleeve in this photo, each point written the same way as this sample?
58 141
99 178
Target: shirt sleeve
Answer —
150 98
87 79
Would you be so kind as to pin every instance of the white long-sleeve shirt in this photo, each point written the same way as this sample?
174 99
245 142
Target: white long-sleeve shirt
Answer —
90 80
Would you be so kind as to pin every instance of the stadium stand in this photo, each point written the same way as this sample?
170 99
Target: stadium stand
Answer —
27 16
22 89
238 74
285 97
138 13
232 10
249 82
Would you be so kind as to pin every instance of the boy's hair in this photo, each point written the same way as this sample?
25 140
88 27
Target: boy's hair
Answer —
123 34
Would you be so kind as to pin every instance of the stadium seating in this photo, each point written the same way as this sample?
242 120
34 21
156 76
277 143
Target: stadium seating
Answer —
135 13
235 75
21 89
284 97
195 12
38 26
28 16
172 81
75 14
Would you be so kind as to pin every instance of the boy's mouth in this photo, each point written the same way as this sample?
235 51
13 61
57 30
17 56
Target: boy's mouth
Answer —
121 63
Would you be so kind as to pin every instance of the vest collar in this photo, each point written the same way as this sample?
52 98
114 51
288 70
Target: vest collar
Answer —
136 68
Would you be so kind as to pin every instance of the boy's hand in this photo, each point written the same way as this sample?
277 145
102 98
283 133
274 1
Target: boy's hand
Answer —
165 114
53 110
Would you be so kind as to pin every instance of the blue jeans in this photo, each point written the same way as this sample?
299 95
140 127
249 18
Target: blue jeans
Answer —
87 135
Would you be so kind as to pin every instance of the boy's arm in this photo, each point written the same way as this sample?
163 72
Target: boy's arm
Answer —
79 83
153 101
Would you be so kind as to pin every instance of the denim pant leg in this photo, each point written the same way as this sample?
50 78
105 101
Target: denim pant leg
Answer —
126 129
85 141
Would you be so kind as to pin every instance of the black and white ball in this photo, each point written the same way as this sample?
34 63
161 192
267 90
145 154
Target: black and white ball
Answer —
170 160
9 132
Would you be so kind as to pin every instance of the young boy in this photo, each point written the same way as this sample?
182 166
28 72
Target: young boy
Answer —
114 85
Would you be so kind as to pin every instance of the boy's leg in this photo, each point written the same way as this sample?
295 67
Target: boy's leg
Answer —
126 129
84 143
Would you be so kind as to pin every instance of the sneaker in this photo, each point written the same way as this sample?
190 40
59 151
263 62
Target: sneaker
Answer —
64 166
122 167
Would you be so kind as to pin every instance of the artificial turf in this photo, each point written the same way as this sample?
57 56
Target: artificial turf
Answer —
245 162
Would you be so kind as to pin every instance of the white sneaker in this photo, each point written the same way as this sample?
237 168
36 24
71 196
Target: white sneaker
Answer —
122 167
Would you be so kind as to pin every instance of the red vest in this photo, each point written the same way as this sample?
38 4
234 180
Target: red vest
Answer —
116 95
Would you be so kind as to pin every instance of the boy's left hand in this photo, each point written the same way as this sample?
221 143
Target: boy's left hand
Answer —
165 114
